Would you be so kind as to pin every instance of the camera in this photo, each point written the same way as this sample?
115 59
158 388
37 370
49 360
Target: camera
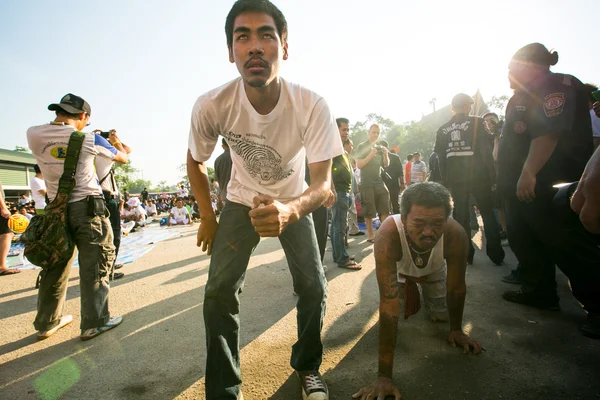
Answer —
379 149
105 135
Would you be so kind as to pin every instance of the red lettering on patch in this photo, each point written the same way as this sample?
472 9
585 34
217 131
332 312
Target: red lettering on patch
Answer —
554 104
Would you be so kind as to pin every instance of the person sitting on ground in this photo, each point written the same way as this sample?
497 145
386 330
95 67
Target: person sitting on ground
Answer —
195 208
422 245
23 211
133 211
179 214
151 208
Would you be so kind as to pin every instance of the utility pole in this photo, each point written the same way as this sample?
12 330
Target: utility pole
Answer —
432 102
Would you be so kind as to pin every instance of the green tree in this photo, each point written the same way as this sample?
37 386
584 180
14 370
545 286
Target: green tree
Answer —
186 181
125 174
498 105
21 149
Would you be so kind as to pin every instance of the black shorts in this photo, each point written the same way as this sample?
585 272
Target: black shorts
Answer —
4 226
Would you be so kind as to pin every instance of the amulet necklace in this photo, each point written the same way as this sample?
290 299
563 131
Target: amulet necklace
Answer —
418 259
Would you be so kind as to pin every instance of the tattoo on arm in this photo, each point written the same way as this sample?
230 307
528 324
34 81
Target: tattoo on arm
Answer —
387 252
456 306
456 250
388 334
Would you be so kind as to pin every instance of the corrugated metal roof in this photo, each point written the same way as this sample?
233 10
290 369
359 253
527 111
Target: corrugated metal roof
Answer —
17 157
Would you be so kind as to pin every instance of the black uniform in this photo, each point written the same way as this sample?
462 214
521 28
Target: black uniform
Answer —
540 234
466 164
392 177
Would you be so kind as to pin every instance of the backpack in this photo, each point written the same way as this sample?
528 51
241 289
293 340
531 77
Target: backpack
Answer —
47 239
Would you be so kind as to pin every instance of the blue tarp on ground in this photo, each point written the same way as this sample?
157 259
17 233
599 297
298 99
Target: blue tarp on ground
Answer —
133 246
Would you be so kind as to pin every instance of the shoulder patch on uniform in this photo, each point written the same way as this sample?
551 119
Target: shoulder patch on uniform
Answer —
554 104
519 127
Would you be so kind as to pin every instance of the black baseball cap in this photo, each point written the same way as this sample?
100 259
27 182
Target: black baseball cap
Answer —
71 104
461 100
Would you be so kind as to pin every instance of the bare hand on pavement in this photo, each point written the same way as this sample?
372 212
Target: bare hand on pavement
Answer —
459 338
378 390
269 217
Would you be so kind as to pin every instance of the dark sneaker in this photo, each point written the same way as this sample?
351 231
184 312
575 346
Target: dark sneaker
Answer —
118 266
512 278
521 297
116 275
591 326
359 233
313 386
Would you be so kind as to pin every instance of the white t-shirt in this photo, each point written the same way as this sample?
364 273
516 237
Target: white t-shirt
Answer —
418 172
182 192
180 213
103 167
595 124
151 208
49 142
137 211
36 184
268 152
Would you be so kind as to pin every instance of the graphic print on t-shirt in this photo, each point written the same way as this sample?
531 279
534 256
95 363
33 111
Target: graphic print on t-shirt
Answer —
261 161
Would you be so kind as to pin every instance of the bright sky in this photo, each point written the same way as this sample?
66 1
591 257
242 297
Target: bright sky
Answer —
141 64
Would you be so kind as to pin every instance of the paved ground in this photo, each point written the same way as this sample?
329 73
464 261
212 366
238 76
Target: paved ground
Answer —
158 352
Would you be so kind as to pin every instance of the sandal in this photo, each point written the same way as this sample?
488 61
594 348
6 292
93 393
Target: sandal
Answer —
351 265
371 240
9 272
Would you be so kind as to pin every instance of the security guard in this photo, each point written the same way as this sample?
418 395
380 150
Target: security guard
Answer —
547 139
464 149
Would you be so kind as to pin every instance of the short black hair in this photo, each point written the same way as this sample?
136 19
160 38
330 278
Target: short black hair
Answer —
536 53
488 114
426 194
224 142
384 143
264 6
340 121
409 157
37 169
416 153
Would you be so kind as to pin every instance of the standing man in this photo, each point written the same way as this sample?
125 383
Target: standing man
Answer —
353 230
6 236
88 224
38 190
547 139
144 195
467 167
421 246
371 158
223 173
112 198
408 169
271 126
394 177
418 169
341 175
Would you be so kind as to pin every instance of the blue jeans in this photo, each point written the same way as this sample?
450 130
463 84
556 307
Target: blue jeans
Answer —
234 242
339 226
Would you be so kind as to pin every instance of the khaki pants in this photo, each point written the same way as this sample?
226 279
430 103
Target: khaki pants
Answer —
94 240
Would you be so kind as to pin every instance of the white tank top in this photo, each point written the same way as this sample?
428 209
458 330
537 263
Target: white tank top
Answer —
406 265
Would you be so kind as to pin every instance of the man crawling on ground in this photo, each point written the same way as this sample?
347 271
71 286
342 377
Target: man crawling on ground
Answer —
421 246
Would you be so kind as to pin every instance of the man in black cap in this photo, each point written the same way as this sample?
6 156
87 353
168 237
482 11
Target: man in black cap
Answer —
91 230
465 158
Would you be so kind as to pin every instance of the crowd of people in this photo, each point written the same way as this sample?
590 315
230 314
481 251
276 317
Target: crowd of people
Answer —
290 170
